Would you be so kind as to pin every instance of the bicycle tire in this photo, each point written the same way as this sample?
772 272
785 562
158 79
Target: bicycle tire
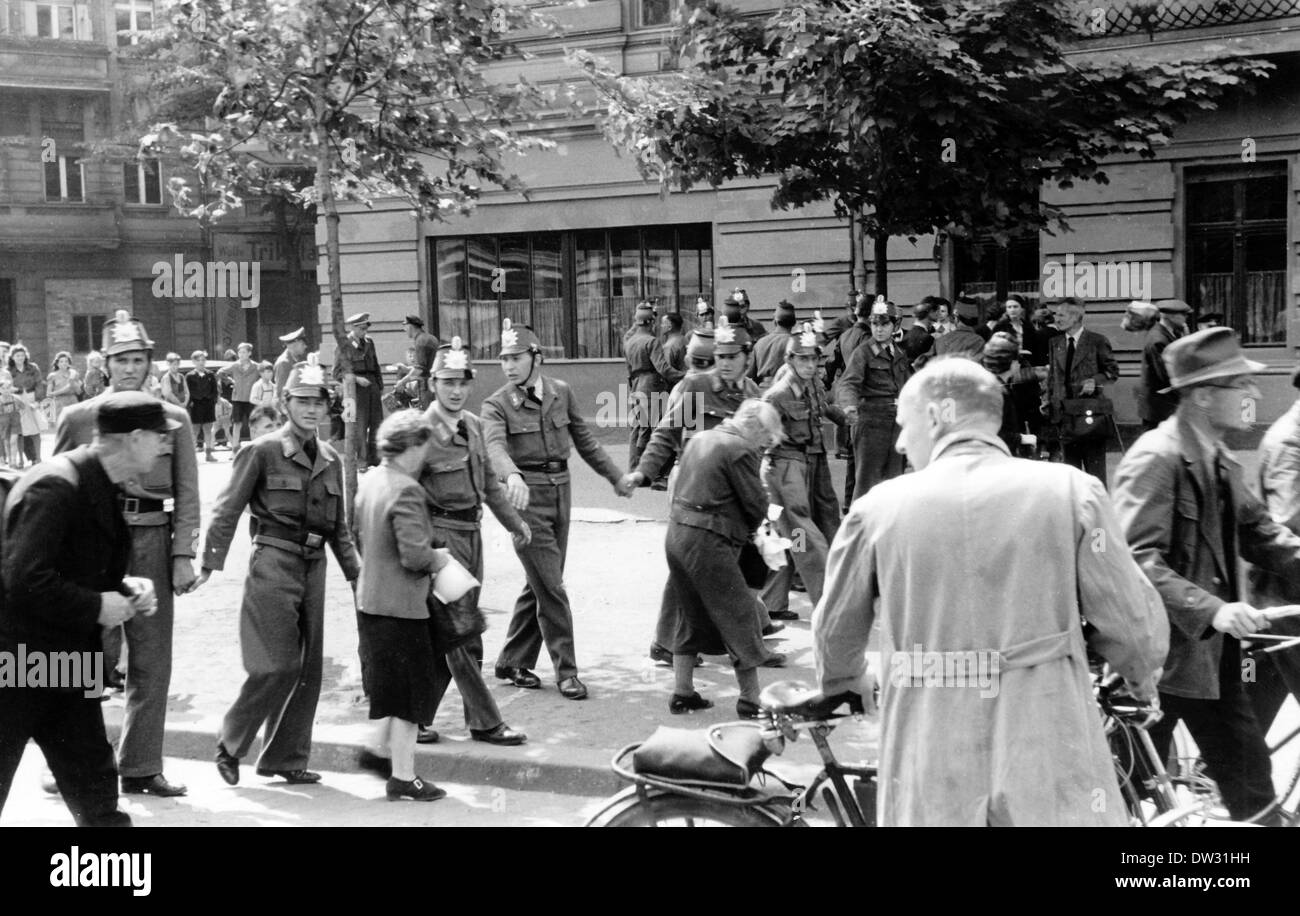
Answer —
664 809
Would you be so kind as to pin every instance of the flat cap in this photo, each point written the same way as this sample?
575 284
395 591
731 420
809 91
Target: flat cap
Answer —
300 334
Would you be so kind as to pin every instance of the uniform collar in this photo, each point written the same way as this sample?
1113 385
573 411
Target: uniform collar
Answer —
540 387
291 447
444 428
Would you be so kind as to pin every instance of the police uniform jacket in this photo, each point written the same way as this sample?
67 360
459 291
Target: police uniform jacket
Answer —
642 376
769 356
458 477
359 358
174 476
283 366
876 373
698 403
1167 497
534 439
290 496
670 359
802 406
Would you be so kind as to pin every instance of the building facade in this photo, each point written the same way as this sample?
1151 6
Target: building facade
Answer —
86 226
1212 220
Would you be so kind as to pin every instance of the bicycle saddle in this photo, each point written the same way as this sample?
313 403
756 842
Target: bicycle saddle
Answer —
794 698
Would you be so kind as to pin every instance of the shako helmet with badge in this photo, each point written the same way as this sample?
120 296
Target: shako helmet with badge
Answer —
700 347
729 339
803 342
124 334
517 339
883 308
452 361
307 380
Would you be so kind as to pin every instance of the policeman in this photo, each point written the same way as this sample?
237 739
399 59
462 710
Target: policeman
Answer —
699 352
292 483
530 425
295 351
356 357
739 300
868 394
703 313
798 477
645 385
459 478
770 352
162 514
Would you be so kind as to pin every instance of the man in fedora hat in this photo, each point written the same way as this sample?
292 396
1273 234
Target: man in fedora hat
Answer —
1153 406
1189 519
161 509
425 346
295 351
357 357
65 558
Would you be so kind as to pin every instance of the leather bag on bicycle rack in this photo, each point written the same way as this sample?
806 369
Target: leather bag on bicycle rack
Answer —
725 755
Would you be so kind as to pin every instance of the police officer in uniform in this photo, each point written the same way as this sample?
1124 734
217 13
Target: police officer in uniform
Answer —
161 508
530 424
868 394
357 357
798 477
736 310
459 478
292 483
295 351
769 353
645 385
703 314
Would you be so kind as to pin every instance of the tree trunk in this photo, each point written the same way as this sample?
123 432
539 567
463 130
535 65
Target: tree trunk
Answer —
857 275
882 265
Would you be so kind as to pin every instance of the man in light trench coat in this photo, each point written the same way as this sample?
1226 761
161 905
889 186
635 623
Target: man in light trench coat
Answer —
987 712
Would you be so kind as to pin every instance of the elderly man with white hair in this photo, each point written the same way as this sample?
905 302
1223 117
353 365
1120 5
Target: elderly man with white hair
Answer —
939 559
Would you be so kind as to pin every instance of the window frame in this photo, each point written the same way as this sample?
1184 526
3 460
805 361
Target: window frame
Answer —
83 325
62 164
140 164
82 28
132 8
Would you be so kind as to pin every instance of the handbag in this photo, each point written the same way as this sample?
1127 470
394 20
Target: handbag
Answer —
725 755
454 623
1087 418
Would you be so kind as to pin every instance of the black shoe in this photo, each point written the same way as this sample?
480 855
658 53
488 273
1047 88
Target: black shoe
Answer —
427 736
572 689
660 484
416 790
775 660
747 710
227 765
503 734
521 677
292 777
773 628
680 704
156 784
369 760
783 615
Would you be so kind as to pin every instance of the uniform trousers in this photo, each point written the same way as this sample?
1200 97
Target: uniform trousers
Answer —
874 437
463 661
810 519
69 730
639 439
370 413
542 612
281 627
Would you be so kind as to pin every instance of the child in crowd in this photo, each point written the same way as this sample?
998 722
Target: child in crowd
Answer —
263 393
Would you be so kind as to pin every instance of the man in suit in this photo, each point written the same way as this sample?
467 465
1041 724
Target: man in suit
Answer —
919 338
1153 405
1080 364
161 509
65 556
1189 519
357 357
1014 739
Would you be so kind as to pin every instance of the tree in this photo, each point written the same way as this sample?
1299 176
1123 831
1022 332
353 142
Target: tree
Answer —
381 98
910 116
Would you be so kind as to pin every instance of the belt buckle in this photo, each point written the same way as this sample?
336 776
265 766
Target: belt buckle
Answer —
131 505
314 540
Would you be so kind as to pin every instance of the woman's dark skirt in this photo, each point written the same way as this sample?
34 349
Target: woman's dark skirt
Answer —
397 663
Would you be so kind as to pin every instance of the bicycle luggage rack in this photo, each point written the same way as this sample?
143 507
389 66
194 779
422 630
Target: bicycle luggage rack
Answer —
742 797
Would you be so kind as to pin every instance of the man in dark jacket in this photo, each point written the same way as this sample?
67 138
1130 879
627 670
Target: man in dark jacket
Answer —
65 556
1155 402
1079 364
1188 518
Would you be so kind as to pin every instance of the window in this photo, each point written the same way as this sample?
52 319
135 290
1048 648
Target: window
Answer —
142 179
87 332
7 324
1236 251
660 12
577 290
132 16
64 179
989 273
61 19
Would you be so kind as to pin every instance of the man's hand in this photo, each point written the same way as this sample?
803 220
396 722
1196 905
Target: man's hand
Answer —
850 415
1088 387
868 689
517 492
625 486
443 556
114 609
1236 618
144 599
183 578
523 537
204 575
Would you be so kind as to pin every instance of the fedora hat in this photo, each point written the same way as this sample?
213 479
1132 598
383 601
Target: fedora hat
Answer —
1204 356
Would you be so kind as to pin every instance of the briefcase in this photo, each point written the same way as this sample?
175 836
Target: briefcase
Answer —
1087 418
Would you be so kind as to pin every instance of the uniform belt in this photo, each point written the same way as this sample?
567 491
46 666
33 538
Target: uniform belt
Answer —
145 513
545 467
879 400
135 505
458 515
312 540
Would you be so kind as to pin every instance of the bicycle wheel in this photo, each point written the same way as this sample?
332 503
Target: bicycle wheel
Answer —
664 809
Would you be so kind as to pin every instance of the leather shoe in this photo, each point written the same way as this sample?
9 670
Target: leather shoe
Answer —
427 736
156 784
773 628
292 777
680 704
369 760
783 615
747 710
503 734
416 790
659 654
775 660
520 677
227 765
572 689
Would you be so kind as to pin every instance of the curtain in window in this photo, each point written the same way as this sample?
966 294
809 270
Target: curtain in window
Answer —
484 314
592 287
548 295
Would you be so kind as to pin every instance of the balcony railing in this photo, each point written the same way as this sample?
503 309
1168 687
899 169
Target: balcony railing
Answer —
1137 16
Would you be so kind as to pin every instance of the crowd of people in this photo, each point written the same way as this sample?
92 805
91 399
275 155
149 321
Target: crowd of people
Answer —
975 550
